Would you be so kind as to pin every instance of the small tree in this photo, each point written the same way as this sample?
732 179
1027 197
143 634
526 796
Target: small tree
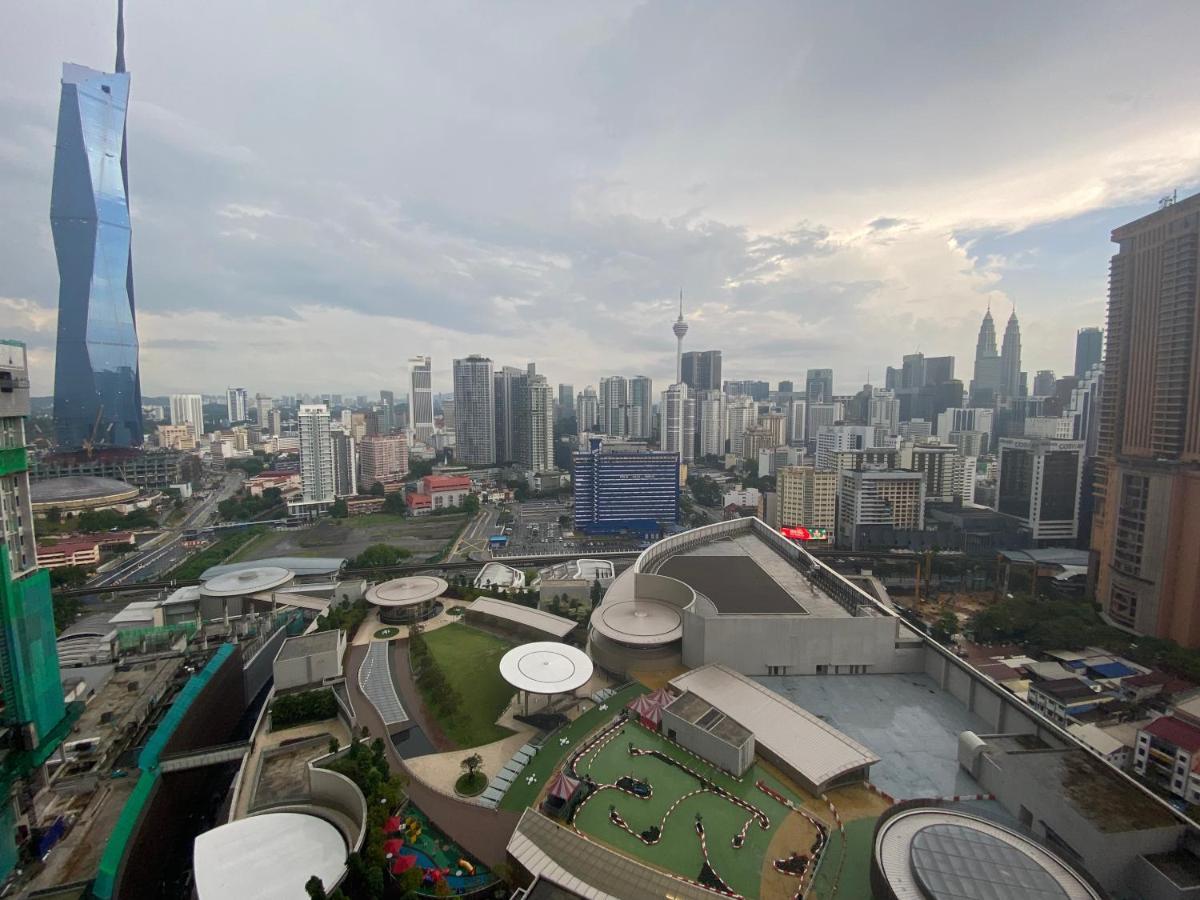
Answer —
472 764
315 888
945 627
377 489
339 510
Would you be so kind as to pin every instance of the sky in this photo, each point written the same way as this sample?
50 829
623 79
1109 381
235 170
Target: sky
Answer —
321 190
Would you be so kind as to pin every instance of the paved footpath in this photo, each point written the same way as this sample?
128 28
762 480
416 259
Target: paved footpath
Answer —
483 832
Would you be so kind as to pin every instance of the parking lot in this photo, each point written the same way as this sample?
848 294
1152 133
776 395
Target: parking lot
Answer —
538 529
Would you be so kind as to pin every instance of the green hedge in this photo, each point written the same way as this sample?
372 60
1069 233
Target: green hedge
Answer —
296 709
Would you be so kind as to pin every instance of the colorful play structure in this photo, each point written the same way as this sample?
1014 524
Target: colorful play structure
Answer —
412 842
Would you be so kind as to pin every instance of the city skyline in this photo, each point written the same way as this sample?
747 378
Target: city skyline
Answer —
591 270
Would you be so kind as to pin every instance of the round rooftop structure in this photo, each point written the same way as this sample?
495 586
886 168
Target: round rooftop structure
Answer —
246 581
403 600
76 493
546 667
639 622
268 857
939 854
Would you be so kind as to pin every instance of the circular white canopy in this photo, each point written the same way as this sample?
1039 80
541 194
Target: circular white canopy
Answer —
407 591
639 621
246 581
268 857
546 667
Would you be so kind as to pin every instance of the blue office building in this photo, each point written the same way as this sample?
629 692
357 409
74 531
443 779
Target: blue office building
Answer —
625 490
97 388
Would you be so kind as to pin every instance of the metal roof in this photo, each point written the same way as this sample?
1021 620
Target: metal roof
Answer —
819 752
409 591
538 619
297 565
245 581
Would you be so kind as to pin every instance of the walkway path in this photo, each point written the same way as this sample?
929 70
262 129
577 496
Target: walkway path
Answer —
482 832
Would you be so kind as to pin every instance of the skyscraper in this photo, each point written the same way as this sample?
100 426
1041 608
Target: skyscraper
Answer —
235 405
1010 359
566 401
317 483
474 411
680 328
534 426
1089 344
1146 525
420 397
506 390
641 407
97 386
818 387
587 410
678 422
625 490
701 370
712 423
188 409
985 386
345 464
614 406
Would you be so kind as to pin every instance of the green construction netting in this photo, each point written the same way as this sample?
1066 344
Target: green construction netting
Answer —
28 652
162 635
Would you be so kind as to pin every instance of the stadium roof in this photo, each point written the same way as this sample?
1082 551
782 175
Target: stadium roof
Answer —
819 752
75 488
557 626
407 591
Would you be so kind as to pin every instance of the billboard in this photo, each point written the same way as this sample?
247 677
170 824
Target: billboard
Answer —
800 533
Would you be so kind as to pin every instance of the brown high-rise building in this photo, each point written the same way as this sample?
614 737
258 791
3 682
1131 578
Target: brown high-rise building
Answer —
1146 528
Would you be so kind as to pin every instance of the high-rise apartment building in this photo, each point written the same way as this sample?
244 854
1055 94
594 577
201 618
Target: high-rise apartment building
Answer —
625 490
614 406
1089 345
969 419
701 370
822 414
345 464
587 410
775 424
383 458
833 438
884 411
797 412
889 497
534 423
448 414
741 412
818 386
943 467
806 496
1146 526
175 437
317 486
566 401
1038 485
188 409
712 423
235 405
474 411
970 443
678 432
641 408
263 406
97 382
420 397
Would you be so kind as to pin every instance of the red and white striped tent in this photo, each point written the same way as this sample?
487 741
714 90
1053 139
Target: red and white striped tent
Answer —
562 786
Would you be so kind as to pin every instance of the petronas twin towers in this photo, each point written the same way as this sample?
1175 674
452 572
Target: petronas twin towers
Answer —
97 388
997 375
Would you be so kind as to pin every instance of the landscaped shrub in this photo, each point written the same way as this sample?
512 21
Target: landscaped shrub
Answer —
296 709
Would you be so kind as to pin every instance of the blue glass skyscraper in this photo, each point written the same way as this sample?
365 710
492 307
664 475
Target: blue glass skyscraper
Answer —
97 388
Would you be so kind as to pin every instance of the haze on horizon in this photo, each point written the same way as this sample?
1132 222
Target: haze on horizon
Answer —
318 195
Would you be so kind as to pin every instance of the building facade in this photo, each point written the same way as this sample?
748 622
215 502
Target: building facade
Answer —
534 429
641 408
474 411
383 459
867 497
807 497
625 490
712 422
345 464
188 409
1038 485
1146 524
1089 346
587 410
97 380
317 486
678 433
420 397
613 412
701 370
236 404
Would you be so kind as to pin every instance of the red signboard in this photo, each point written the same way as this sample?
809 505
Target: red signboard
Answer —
796 533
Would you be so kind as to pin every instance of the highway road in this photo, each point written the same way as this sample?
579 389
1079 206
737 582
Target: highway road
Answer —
166 551
473 542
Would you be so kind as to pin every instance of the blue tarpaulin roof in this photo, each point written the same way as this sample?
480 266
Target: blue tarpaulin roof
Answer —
1111 670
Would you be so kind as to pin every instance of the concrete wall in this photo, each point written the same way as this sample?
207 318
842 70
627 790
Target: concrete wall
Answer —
707 746
312 668
1154 885
1110 857
258 670
749 644
620 660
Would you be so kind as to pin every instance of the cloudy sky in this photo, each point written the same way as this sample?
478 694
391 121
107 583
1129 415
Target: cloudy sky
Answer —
322 189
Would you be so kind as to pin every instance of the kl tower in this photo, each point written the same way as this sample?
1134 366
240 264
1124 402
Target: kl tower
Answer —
680 328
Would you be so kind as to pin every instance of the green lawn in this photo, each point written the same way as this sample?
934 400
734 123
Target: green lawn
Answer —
470 660
522 794
213 555
855 880
679 849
